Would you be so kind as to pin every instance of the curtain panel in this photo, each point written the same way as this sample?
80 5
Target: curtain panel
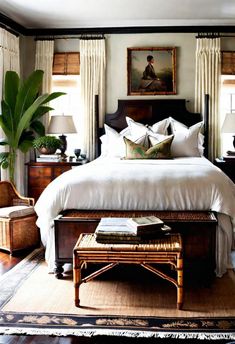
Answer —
92 72
44 61
10 60
207 81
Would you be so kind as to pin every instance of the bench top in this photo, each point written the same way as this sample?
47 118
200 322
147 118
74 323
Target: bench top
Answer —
169 216
170 243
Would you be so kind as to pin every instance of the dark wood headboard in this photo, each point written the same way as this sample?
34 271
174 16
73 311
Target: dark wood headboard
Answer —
150 111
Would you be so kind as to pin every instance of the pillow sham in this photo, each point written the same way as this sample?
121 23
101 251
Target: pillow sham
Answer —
186 139
113 144
159 151
138 129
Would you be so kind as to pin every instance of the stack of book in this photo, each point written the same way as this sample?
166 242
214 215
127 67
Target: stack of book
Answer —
148 226
48 158
116 230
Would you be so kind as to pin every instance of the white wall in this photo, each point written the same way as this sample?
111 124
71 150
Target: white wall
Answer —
117 64
117 45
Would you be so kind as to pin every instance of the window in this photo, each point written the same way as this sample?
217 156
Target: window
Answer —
68 105
227 106
66 63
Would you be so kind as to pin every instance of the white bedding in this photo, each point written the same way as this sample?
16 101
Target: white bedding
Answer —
177 184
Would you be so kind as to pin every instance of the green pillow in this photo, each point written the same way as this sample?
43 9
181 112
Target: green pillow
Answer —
159 151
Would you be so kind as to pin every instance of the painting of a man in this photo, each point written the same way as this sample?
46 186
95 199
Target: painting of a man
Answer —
155 77
149 80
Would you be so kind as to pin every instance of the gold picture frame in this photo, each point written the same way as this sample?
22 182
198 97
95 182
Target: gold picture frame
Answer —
151 71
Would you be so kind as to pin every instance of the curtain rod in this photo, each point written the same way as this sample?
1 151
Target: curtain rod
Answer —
208 35
212 35
85 37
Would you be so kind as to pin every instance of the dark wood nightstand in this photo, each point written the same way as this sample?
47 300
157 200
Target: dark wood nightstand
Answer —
40 174
227 165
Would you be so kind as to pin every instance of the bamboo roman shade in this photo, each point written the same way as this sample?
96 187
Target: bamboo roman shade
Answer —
228 62
66 63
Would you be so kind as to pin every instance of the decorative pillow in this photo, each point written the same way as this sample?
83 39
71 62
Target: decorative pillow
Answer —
186 140
138 129
159 151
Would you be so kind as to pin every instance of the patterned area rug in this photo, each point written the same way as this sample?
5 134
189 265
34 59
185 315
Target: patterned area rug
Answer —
99 325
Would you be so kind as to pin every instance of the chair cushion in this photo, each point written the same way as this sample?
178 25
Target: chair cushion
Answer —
16 211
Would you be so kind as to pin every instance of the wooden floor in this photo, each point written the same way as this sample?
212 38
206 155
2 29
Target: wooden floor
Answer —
7 262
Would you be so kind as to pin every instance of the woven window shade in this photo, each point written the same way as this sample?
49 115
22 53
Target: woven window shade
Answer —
228 62
66 63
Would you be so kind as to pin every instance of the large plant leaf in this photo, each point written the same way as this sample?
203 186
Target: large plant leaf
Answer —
4 159
28 93
12 82
38 127
24 122
26 140
26 135
7 118
7 132
52 96
25 145
41 111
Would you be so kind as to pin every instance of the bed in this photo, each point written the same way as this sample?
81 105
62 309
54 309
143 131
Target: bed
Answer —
113 186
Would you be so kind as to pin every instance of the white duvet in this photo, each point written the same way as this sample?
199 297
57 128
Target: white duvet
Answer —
177 184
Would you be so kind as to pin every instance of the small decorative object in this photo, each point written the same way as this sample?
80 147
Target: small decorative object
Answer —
83 156
229 127
77 152
151 71
61 124
47 144
71 158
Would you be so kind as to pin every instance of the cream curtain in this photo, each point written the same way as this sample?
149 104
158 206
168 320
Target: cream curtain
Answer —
207 81
10 60
44 61
92 72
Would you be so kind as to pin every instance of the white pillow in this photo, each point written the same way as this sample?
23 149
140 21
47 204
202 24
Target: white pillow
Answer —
157 138
201 139
104 145
186 140
113 144
138 129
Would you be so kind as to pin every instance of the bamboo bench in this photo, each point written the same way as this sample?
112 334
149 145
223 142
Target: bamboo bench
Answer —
167 250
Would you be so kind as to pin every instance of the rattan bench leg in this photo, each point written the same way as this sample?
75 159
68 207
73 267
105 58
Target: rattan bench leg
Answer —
180 290
77 278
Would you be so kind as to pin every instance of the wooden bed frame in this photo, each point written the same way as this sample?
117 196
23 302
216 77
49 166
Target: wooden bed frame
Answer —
192 225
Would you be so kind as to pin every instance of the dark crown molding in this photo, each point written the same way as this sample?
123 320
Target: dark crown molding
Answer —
11 25
16 28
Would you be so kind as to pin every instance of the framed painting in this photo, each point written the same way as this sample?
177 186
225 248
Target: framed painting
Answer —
151 71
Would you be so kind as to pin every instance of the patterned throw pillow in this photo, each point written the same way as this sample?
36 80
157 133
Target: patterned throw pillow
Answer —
159 151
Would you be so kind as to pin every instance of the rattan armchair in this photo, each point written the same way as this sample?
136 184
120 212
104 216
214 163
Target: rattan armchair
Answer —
18 228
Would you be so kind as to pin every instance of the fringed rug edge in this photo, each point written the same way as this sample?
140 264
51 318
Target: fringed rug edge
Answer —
117 333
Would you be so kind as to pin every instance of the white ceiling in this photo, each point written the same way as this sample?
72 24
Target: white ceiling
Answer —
118 13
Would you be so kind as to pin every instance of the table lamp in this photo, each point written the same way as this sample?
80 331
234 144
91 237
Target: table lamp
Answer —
229 126
60 124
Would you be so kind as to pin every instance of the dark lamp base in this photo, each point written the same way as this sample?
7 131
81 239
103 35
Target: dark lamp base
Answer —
63 146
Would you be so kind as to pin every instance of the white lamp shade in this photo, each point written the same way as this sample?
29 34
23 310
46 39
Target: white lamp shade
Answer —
229 123
61 125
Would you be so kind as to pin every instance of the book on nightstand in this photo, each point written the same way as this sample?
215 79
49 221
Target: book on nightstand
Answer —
230 156
48 158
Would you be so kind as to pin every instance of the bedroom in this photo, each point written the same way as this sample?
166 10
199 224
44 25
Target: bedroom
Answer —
116 49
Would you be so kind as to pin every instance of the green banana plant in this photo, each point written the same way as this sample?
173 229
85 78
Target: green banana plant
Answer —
22 108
